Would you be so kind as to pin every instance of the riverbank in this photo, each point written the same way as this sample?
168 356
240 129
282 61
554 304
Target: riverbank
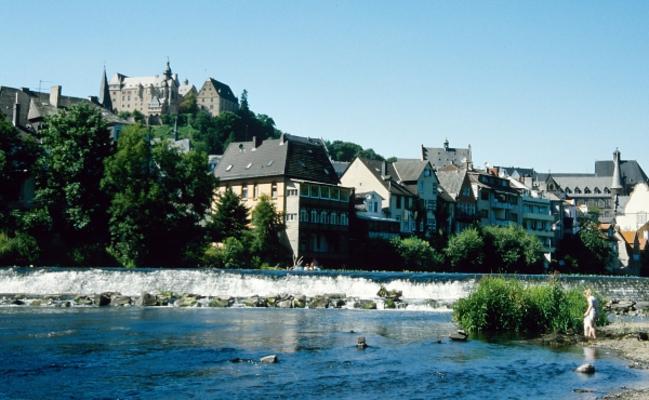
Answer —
628 340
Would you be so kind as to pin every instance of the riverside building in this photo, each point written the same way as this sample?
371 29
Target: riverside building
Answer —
296 174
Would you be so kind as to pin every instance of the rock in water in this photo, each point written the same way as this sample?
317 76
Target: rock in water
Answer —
146 300
102 300
271 359
459 336
586 369
361 343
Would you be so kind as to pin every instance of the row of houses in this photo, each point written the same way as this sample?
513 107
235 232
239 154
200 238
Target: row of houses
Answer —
324 202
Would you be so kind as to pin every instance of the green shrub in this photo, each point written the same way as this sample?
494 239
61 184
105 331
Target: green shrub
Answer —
21 249
416 253
232 254
501 305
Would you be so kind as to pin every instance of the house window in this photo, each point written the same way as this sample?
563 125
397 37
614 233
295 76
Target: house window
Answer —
397 201
324 192
273 190
244 192
484 195
255 191
291 192
323 217
304 216
334 218
335 193
314 216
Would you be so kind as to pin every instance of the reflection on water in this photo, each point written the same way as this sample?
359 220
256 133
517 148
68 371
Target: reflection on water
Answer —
179 353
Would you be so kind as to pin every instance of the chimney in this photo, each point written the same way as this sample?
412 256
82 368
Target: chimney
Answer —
282 139
55 94
16 115
255 142
384 169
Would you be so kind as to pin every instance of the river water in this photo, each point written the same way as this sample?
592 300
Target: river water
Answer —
209 353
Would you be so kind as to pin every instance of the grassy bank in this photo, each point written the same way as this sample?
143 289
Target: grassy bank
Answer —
500 305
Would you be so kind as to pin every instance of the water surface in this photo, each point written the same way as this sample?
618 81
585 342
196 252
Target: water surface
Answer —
169 353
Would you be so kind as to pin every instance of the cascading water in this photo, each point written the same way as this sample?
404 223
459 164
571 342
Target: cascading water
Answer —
419 290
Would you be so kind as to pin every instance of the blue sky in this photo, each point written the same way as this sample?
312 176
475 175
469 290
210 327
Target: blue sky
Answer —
553 85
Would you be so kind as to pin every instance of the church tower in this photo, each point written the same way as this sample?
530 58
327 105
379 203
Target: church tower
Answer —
616 184
104 93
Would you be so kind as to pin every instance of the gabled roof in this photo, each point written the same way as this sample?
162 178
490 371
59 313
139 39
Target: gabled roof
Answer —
440 156
630 170
340 167
223 90
291 156
376 167
582 182
408 170
451 181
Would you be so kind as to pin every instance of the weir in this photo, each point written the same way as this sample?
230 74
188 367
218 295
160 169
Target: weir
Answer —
420 290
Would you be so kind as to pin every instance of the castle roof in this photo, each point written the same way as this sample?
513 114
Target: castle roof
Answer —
223 90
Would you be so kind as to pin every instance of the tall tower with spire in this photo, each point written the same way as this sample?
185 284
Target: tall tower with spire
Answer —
104 93
616 184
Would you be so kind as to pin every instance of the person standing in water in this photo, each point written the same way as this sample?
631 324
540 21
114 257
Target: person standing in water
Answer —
590 315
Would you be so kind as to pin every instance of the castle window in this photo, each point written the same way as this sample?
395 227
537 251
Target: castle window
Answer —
587 190
577 190
606 190
597 190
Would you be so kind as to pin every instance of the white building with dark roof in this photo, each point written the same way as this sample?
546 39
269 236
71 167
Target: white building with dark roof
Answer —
216 97
296 174
443 156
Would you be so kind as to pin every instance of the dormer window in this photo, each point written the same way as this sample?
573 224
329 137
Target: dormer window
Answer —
597 191
577 190
568 190
606 190
587 190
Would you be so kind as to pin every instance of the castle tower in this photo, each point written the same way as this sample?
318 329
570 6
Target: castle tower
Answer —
104 93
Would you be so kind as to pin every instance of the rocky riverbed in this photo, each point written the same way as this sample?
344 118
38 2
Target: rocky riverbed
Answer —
631 341
388 300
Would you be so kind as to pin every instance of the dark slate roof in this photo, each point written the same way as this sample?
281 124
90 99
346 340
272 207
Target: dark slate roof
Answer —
293 157
37 105
630 170
451 181
340 167
223 90
475 179
440 156
390 182
408 170
509 171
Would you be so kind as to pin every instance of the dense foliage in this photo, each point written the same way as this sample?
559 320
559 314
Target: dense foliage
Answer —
416 254
69 217
347 151
587 252
158 198
499 305
495 249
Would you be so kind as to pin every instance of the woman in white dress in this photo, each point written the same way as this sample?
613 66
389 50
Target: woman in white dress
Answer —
590 315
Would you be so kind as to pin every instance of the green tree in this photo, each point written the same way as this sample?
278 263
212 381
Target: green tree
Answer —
68 197
188 104
596 251
515 249
230 219
18 153
347 151
266 228
416 253
465 251
159 198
